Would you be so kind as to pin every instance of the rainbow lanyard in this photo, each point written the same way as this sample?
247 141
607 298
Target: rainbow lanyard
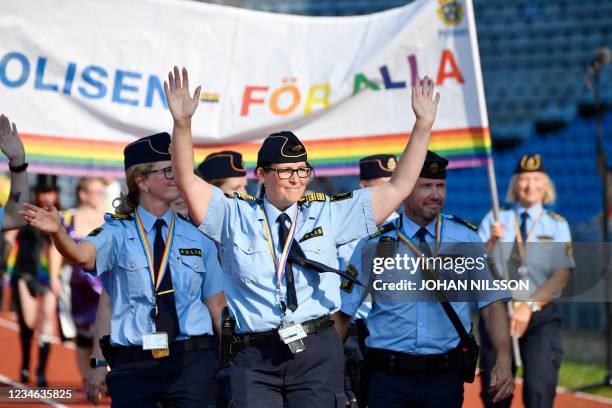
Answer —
280 265
415 248
165 258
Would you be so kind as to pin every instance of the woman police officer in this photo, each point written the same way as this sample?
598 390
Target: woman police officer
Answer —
272 283
164 283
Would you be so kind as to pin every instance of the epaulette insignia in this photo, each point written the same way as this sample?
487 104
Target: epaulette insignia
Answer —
555 216
117 216
312 197
317 232
347 285
95 232
466 223
241 196
341 196
383 229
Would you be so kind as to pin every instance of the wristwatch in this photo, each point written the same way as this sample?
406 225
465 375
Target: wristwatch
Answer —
18 169
534 306
96 363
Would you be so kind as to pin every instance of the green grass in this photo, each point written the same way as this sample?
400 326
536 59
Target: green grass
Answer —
573 375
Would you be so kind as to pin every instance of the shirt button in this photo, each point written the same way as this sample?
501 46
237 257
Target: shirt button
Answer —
132 266
196 266
420 324
317 250
250 248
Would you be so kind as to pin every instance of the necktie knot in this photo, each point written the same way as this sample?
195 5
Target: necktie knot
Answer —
422 234
524 216
159 223
282 218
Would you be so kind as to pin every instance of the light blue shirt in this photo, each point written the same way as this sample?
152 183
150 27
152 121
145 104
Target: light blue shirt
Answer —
549 245
123 267
251 285
415 327
1 216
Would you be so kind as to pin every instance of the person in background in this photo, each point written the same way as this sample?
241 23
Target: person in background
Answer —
225 170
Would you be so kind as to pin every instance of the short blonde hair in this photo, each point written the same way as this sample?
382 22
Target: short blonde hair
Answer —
549 197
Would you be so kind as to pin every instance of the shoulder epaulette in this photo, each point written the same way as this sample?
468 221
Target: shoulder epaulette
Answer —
555 216
123 217
464 222
383 229
309 198
244 197
341 196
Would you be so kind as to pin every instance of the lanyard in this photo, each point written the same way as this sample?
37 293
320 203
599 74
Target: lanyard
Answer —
165 258
414 247
522 246
280 265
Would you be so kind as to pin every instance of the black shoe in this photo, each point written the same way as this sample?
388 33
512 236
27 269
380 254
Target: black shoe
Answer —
41 381
25 376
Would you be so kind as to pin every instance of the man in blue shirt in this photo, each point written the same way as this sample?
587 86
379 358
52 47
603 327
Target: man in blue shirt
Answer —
278 252
412 348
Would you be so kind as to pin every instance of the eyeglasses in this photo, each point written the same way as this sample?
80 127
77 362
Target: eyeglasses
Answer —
284 174
167 172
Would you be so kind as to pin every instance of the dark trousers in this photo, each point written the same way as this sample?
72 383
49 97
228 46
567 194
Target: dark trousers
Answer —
541 351
419 390
270 376
180 380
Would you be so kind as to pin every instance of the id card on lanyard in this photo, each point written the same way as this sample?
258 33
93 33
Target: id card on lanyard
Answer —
290 333
155 341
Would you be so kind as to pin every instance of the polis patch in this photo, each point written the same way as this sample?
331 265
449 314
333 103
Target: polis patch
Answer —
341 196
383 229
116 216
317 232
190 251
95 232
347 285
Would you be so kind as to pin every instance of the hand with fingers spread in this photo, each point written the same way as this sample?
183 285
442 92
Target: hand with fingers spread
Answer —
182 105
424 104
47 219
10 143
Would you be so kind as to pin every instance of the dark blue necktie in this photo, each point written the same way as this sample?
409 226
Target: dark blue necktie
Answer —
166 319
524 217
421 234
283 233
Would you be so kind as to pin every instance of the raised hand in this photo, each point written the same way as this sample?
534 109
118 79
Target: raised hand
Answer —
182 105
423 103
10 143
47 219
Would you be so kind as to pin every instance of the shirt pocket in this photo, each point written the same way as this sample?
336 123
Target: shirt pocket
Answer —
320 248
134 268
192 275
252 260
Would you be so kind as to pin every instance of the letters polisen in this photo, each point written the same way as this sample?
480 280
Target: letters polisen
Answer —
119 86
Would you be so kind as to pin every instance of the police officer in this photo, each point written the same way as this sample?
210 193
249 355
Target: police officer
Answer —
12 148
225 169
414 350
278 252
164 283
373 170
539 252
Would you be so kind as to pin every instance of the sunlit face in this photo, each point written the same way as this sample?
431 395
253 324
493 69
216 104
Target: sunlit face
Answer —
157 183
283 193
426 200
373 182
233 185
92 194
531 188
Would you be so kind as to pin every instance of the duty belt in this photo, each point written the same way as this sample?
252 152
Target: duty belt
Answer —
271 337
405 363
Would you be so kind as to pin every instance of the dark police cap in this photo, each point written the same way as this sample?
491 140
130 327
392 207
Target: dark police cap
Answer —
376 166
282 147
220 165
529 163
434 166
148 149
46 182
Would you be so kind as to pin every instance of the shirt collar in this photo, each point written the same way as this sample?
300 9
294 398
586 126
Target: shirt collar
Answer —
148 219
410 228
272 212
532 211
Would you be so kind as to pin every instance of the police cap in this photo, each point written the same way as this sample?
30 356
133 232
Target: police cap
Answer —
282 147
220 165
529 163
434 166
147 150
376 166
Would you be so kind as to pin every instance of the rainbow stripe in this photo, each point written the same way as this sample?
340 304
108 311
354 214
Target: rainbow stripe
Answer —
43 274
335 157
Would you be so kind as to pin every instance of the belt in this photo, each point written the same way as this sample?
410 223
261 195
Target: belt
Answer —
272 337
405 363
129 354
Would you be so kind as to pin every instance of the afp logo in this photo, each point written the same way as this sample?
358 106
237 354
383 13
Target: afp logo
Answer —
450 12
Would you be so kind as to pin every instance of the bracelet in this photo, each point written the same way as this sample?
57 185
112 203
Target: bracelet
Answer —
18 169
